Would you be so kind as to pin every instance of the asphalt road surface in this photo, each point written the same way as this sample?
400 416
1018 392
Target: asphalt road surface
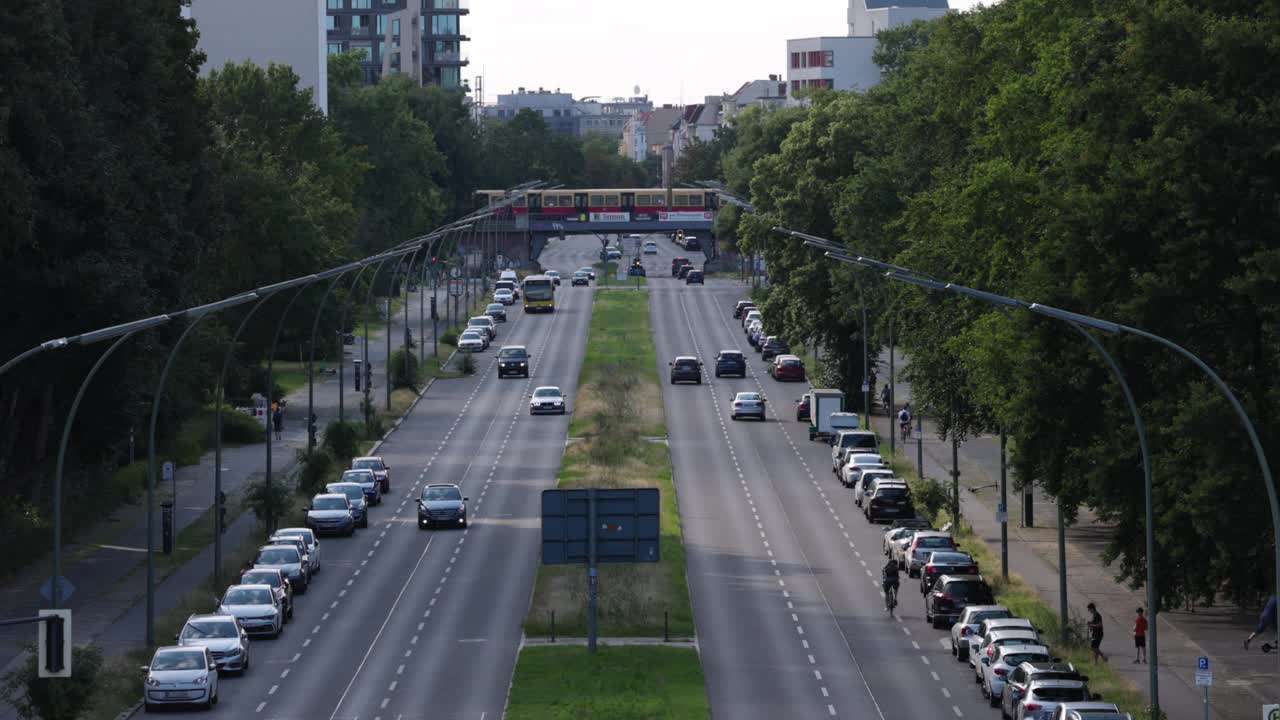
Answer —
784 571
403 623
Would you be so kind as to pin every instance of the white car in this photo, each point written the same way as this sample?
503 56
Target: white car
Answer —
900 529
484 322
1042 697
308 537
509 275
992 641
554 275
996 669
181 676
1089 711
651 248
967 625
547 400
985 627
504 296
748 404
753 315
858 462
471 341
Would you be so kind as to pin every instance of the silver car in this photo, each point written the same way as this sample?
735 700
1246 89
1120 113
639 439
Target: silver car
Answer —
298 543
368 481
308 537
996 669
485 323
332 513
965 627
287 560
181 676
354 494
471 341
547 399
1042 697
748 404
255 607
223 636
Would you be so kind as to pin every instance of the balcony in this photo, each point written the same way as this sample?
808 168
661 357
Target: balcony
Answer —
359 32
450 57
443 6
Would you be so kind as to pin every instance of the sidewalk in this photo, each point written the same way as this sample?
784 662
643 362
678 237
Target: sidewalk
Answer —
109 572
1243 681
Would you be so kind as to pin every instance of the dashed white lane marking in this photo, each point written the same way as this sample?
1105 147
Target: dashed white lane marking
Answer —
260 706
946 693
273 689
956 710
284 673
935 676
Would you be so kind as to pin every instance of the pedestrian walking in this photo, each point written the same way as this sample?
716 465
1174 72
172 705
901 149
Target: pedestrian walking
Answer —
1095 632
1140 637
1267 619
277 420
884 401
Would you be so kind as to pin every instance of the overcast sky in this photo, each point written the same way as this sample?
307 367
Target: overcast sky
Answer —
675 50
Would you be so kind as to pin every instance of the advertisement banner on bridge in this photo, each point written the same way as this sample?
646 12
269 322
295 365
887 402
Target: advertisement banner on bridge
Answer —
694 216
610 217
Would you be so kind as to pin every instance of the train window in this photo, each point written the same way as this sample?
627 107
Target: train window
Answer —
597 200
680 199
642 199
611 200
566 201
520 201
548 201
660 200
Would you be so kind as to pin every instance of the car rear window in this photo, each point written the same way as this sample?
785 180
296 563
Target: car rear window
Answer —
969 590
794 362
952 558
892 493
731 356
1016 659
686 363
934 542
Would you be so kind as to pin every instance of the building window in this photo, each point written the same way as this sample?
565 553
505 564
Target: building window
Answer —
331 22
444 25
815 58
359 26
450 77
366 52
828 58
795 57
795 86
382 24
360 4
335 48
334 4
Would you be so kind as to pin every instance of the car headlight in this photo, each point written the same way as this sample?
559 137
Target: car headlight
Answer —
201 680
152 681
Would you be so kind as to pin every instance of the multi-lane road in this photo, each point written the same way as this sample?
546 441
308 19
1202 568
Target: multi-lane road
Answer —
404 624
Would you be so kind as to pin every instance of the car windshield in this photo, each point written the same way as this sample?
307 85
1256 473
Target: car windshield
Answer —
935 542
1016 659
367 464
477 322
749 397
357 476
503 291
203 629
471 335
950 558
504 285
435 494
173 660
329 503
580 274
260 577
247 596
278 556
513 353
892 493
1061 694
546 392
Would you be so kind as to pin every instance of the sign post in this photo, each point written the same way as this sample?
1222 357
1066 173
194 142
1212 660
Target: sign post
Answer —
1204 679
593 581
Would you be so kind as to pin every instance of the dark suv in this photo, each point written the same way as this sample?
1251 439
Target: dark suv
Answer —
676 264
686 369
951 594
694 277
945 562
773 347
684 270
513 360
731 362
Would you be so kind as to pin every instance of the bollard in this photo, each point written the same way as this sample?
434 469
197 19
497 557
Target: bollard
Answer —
553 626
666 626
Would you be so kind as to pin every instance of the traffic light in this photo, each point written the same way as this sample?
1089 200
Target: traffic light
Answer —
54 659
222 512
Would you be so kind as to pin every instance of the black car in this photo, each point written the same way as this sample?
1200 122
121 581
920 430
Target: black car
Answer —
580 278
693 277
636 270
513 360
741 308
676 264
953 593
686 369
893 501
442 505
684 271
731 362
773 347
945 562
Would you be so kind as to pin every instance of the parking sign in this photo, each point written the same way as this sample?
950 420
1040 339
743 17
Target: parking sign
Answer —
1202 663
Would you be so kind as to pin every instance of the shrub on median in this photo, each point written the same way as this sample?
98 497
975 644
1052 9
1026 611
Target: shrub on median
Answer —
52 698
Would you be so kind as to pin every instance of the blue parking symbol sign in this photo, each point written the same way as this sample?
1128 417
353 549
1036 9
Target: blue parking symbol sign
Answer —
1202 663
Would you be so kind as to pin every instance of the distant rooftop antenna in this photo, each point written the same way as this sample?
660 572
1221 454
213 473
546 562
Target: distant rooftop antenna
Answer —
636 90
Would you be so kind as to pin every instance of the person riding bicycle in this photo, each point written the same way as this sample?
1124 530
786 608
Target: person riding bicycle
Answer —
904 420
889 576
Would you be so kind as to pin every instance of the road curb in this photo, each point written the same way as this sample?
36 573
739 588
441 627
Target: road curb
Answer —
126 714
387 435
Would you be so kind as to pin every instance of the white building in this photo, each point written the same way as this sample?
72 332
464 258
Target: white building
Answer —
770 93
284 32
845 62
646 132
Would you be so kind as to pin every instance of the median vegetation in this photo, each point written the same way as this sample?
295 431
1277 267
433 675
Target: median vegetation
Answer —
566 683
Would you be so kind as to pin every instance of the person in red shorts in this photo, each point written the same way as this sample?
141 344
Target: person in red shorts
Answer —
1140 637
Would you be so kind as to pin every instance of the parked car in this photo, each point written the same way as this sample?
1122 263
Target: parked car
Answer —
255 607
951 594
985 633
380 470
547 400
580 278
331 514
1089 711
996 669
846 442
222 636
787 367
945 562
693 277
773 346
485 323
471 342
922 544
287 560
442 504
857 462
513 360
309 537
295 543
181 676
748 404
967 624
899 528
889 497
279 585
497 311
367 482
753 314
802 409
357 505
741 307
686 369
1027 694
757 338
731 362
980 656
864 483
504 296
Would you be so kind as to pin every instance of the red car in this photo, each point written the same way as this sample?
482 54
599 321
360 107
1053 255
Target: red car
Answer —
787 367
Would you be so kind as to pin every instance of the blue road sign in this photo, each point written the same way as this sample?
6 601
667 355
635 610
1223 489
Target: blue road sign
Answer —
626 526
1202 663
1001 508
65 589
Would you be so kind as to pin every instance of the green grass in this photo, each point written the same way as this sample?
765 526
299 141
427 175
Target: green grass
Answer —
289 376
195 537
617 683
620 340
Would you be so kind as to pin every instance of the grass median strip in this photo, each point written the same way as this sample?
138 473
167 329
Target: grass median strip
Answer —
619 683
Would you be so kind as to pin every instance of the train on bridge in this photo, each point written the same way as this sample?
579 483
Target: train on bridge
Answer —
608 209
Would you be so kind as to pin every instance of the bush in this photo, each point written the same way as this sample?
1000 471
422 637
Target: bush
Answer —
467 364
316 466
269 501
341 439
34 697
240 428
450 337
929 497
400 360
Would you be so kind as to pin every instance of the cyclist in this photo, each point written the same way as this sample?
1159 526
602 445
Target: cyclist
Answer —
904 421
889 582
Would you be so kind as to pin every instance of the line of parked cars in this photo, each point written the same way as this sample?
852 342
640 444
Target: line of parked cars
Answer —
774 349
262 600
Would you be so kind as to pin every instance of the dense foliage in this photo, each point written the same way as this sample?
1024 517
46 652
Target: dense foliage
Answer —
1115 158
134 185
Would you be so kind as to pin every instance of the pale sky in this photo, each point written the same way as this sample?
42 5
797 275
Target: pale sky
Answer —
675 50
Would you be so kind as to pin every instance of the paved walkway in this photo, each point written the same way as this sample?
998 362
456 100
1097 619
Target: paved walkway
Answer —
1243 680
109 574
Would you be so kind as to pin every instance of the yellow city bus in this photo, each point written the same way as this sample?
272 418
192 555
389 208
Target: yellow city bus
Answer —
539 294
